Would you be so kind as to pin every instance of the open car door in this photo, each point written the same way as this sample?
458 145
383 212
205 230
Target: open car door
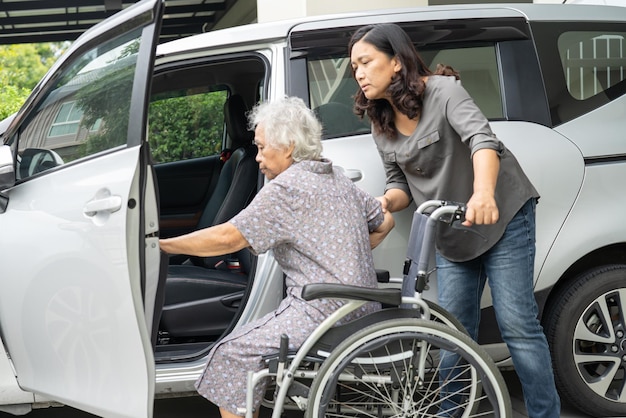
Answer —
79 236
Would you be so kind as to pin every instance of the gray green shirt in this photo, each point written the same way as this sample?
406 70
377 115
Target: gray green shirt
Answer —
434 162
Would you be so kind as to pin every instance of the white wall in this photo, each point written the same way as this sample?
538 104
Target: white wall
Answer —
272 10
242 12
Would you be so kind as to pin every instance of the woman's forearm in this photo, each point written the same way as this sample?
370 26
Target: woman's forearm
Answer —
482 208
395 200
486 165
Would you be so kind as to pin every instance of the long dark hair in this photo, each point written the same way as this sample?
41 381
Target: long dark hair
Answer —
407 86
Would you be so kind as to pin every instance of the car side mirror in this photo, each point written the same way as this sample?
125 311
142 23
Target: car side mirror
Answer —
7 174
35 160
7 167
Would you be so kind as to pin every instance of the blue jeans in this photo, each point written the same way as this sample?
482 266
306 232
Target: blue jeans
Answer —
508 266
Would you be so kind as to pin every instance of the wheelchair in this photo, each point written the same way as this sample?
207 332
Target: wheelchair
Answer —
389 363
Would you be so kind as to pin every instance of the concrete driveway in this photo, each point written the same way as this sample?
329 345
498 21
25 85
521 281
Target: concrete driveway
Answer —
197 407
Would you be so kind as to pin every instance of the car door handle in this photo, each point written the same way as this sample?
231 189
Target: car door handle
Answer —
352 173
106 204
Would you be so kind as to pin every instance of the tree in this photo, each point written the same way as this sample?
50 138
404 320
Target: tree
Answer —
21 67
11 98
187 126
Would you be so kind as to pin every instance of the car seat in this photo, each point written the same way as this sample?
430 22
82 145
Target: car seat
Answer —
203 294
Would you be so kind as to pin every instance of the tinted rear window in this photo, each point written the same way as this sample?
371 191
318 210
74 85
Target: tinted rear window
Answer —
584 65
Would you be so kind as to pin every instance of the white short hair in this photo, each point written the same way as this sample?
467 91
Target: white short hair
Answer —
288 121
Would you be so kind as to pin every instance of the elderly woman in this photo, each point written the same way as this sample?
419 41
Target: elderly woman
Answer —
321 227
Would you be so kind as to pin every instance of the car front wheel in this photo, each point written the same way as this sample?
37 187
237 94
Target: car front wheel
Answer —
586 330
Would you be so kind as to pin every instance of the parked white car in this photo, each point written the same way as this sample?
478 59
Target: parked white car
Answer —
124 141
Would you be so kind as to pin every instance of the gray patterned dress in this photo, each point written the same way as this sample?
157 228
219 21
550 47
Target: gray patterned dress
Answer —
318 223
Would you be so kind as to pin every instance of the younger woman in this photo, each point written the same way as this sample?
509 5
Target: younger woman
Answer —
436 144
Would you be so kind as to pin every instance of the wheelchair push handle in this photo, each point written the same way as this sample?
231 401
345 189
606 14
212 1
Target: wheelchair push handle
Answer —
422 240
446 211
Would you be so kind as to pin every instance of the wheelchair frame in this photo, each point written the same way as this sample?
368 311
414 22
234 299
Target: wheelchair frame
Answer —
421 244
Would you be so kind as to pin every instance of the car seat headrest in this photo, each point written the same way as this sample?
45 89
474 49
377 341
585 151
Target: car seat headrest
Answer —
235 114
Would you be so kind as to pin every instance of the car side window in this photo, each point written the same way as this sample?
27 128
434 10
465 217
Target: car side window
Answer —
187 123
479 73
319 71
583 65
331 88
85 112
332 85
592 61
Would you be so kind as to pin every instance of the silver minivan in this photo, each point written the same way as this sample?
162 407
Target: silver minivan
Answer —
124 141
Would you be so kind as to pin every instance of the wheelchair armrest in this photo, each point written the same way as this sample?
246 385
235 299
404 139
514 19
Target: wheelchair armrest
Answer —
382 276
344 291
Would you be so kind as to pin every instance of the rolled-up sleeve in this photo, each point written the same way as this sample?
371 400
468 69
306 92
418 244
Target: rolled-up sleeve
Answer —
269 219
374 211
395 176
469 122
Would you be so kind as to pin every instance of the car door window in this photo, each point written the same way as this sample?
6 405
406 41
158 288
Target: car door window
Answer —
478 69
332 86
86 111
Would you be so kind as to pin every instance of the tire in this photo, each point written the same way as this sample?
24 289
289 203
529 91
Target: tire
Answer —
586 329
376 372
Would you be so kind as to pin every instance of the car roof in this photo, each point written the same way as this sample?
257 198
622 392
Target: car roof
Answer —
266 32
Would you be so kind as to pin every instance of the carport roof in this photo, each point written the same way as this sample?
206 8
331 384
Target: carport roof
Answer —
30 21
